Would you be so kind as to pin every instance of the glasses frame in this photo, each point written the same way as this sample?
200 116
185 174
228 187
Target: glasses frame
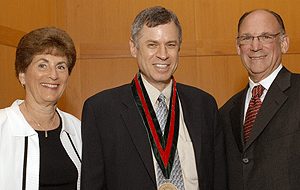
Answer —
258 38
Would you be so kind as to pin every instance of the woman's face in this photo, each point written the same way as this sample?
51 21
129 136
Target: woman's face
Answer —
45 79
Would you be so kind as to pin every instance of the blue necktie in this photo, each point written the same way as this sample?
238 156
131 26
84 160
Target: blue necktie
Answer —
176 173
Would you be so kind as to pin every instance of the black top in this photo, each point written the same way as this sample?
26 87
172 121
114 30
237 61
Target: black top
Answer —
57 171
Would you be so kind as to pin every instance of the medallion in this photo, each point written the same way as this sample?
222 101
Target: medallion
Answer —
167 186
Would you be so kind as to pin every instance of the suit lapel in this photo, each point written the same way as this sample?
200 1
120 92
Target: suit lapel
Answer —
236 118
274 99
137 131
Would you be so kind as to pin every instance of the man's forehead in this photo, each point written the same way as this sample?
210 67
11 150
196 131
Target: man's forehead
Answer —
259 22
158 25
169 28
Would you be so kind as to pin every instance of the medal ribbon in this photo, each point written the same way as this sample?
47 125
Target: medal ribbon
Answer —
164 147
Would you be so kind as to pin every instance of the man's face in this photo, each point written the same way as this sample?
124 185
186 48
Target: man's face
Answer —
158 53
261 60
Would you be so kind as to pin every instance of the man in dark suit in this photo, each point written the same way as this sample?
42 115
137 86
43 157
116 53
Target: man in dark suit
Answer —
125 145
263 151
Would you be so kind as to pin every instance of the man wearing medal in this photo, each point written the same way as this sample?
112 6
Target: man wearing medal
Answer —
154 133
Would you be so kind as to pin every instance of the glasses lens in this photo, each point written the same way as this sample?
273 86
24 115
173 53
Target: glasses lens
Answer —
245 39
266 39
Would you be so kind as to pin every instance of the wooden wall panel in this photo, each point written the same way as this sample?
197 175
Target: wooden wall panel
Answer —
17 18
221 76
216 23
208 57
216 30
9 84
28 15
105 25
101 31
291 62
207 73
92 76
9 36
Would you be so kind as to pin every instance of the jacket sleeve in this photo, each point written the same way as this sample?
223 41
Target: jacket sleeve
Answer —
220 166
93 173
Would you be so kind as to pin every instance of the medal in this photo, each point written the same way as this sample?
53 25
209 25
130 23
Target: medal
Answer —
167 186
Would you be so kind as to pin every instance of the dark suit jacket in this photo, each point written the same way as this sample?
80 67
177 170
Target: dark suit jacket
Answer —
116 150
271 157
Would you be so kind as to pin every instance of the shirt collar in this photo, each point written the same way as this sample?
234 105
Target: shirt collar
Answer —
67 124
266 83
20 127
153 92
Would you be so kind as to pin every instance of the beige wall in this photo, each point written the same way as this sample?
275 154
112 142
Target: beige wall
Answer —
101 31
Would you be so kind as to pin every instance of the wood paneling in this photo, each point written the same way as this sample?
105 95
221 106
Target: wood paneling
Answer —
208 58
291 62
101 32
17 19
10 87
207 73
93 75
28 15
9 36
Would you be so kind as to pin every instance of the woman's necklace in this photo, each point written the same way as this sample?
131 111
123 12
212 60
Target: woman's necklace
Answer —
46 130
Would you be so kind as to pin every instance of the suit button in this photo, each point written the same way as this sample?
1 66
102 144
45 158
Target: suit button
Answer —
245 160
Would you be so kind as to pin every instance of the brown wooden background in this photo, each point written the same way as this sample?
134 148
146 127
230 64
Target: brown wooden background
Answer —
101 32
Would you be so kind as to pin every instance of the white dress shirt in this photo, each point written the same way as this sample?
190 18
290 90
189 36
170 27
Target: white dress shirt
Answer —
266 83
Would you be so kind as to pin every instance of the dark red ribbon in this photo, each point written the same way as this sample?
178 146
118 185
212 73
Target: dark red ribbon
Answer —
165 154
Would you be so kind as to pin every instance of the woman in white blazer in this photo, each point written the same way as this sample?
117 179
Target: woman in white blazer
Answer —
40 145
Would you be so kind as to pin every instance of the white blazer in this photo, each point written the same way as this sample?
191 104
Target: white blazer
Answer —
13 130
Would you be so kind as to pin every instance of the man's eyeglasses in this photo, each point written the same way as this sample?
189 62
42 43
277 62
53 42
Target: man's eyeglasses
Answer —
264 39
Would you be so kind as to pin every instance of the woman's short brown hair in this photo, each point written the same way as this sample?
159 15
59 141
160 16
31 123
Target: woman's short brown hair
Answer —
48 40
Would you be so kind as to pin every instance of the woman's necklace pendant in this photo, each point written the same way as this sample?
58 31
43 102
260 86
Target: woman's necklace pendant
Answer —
46 131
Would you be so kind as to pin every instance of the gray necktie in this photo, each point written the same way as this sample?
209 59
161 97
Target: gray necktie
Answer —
176 173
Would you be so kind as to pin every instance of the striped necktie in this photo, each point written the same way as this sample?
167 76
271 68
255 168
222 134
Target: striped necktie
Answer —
253 109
